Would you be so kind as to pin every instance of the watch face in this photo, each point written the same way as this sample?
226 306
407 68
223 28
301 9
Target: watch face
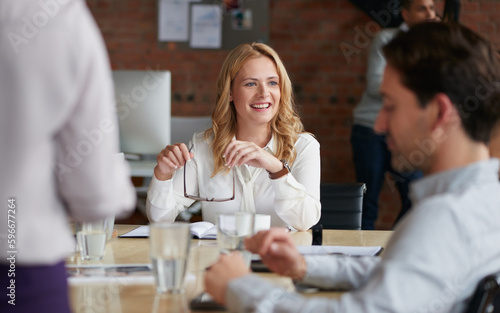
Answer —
285 164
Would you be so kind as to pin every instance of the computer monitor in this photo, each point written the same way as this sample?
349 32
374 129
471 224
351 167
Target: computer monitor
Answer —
143 109
184 127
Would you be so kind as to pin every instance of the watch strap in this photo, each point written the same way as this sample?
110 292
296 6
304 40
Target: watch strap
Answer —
285 170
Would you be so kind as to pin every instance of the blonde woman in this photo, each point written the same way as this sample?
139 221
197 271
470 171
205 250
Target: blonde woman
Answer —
255 158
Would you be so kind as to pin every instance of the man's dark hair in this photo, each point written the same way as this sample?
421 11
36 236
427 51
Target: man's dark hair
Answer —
449 58
406 4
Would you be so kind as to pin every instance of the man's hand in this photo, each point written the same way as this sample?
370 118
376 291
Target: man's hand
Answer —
278 252
218 276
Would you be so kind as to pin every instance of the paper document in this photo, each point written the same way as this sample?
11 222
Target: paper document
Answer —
173 20
206 26
258 266
90 273
113 273
139 232
200 230
342 250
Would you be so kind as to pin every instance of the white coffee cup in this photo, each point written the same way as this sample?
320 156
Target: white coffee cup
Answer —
262 222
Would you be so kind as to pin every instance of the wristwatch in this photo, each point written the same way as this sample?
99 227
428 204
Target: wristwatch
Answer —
283 172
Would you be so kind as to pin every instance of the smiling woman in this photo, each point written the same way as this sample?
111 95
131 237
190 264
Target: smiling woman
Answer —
255 133
248 62
255 94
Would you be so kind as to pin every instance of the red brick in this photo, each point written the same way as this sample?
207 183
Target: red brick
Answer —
473 17
486 27
470 6
487 6
307 34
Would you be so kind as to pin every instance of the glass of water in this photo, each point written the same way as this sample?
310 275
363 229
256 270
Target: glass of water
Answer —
232 229
92 236
169 252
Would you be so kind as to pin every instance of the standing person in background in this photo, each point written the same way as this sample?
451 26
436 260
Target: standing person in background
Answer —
59 140
370 154
448 241
256 150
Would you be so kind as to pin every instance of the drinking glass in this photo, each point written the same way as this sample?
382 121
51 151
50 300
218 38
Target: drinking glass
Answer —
169 252
92 236
232 229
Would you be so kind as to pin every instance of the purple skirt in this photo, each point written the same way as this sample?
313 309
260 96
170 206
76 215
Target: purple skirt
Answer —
35 289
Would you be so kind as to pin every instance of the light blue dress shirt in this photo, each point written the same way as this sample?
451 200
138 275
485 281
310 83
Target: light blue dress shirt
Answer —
433 262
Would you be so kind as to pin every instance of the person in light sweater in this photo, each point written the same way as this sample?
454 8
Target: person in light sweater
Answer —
59 147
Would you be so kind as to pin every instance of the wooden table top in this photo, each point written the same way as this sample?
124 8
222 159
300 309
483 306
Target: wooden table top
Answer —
122 296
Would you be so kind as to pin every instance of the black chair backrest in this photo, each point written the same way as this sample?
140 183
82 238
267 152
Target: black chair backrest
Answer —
486 298
341 205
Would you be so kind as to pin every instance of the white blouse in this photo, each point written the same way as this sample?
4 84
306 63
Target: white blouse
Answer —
291 200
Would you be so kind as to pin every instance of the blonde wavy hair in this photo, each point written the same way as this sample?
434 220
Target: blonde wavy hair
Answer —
285 125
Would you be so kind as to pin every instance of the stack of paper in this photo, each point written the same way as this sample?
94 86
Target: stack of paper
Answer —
340 250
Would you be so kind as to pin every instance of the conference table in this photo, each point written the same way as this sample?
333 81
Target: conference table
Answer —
138 294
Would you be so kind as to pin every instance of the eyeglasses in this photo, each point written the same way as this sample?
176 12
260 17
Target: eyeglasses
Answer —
197 198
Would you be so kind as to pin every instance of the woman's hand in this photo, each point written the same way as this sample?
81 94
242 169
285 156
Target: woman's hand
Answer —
246 152
170 159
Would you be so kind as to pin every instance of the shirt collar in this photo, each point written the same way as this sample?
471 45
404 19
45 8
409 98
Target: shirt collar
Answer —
404 27
456 180
270 146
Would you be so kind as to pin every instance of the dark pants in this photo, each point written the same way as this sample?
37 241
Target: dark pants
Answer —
372 160
37 289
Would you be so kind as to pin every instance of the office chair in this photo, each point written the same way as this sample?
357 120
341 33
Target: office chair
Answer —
341 205
183 127
486 298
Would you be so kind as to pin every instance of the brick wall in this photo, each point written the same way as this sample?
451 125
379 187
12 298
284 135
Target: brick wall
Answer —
309 35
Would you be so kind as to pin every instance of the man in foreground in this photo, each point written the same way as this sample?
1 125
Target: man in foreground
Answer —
441 102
